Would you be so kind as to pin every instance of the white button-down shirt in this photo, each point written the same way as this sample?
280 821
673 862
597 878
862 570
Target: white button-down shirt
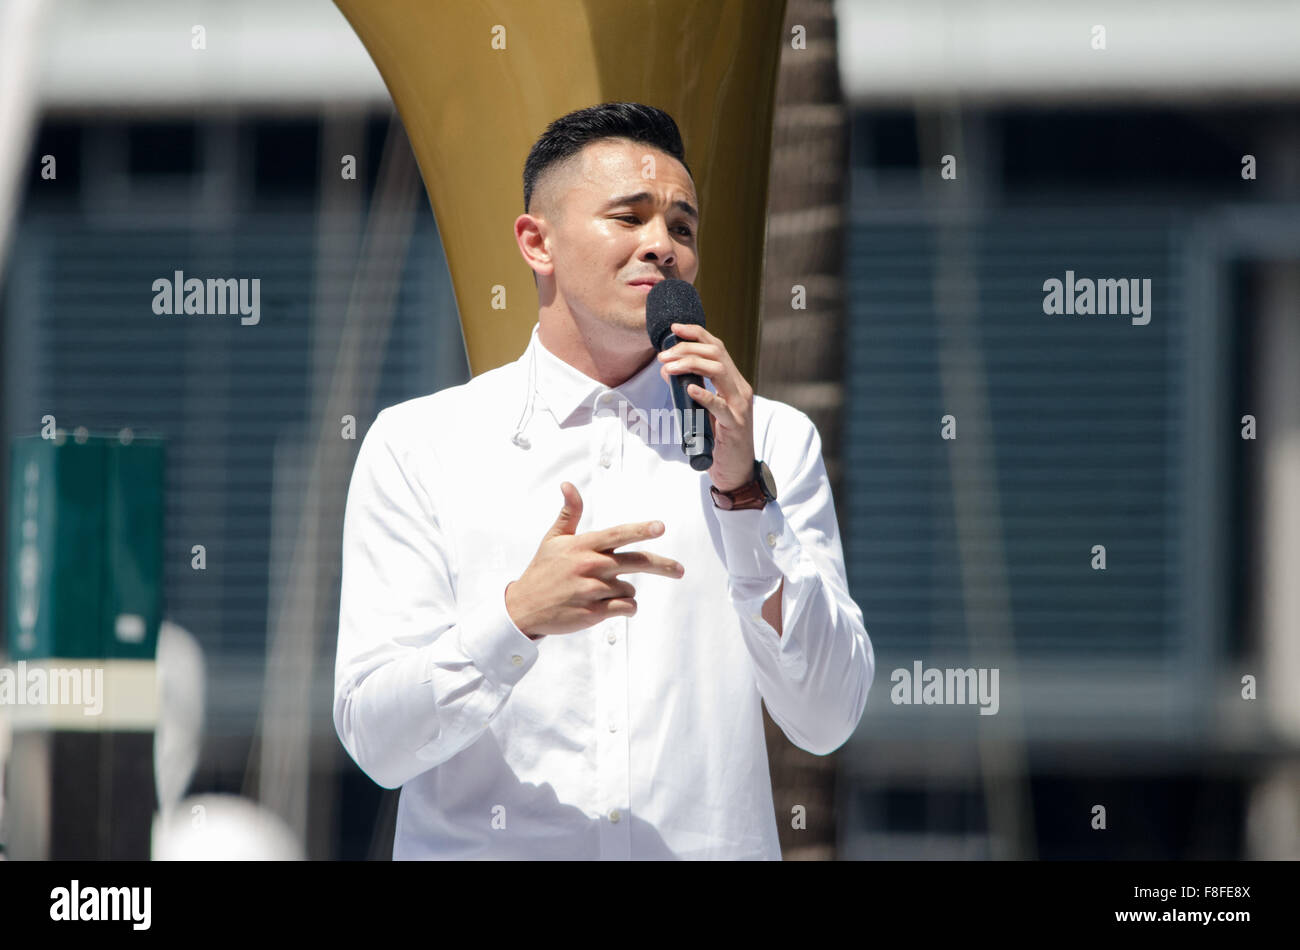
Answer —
640 737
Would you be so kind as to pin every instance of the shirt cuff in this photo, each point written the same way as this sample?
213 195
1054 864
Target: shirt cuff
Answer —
756 542
496 646
762 550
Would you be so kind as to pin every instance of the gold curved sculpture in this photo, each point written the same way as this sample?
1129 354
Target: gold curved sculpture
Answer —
476 81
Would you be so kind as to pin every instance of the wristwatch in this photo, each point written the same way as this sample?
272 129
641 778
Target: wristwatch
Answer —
755 493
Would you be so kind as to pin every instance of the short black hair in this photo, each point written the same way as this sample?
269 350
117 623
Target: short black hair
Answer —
569 134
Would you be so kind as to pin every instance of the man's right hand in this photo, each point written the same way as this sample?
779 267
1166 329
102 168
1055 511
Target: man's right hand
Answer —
572 583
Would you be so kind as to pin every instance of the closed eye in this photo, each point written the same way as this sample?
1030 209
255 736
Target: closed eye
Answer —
635 220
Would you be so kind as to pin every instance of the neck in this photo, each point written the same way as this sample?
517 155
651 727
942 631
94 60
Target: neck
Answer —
601 358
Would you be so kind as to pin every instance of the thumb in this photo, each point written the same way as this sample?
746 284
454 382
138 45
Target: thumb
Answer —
570 514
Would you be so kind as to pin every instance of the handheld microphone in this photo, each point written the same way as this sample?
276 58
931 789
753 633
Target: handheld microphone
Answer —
675 301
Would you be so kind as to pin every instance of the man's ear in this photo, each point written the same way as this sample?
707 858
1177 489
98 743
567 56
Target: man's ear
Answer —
530 239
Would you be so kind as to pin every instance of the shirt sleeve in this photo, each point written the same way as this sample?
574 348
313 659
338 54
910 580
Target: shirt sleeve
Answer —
416 678
815 675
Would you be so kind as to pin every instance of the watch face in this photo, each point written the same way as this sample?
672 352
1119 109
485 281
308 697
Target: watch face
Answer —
768 482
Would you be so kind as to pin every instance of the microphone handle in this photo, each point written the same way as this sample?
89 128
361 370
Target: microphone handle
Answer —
696 424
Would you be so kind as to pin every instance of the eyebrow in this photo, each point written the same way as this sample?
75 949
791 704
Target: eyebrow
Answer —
641 196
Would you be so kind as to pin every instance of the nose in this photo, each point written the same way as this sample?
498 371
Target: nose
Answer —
658 243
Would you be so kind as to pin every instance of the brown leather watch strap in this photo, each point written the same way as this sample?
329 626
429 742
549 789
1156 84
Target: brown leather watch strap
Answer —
747 496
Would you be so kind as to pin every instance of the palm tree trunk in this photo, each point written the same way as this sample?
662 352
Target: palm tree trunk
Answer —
801 356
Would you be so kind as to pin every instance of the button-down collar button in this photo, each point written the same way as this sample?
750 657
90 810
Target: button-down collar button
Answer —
771 540
517 660
614 815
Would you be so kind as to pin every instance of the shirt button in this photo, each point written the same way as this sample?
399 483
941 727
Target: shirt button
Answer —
613 727
614 815
517 660
605 460
771 540
612 637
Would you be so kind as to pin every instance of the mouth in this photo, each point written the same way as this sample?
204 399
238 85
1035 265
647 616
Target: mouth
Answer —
644 284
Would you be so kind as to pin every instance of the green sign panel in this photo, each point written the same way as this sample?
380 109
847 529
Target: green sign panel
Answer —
85 547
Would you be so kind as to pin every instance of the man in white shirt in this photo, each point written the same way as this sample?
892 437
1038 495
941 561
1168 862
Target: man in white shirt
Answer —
495 659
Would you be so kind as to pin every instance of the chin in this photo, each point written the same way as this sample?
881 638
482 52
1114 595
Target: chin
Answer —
627 320
636 322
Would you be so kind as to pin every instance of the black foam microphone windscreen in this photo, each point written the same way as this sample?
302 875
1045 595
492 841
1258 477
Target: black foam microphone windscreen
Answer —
671 301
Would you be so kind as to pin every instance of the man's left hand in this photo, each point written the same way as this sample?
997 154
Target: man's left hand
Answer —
732 406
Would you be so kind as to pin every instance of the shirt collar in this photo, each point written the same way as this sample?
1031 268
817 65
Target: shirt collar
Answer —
564 389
